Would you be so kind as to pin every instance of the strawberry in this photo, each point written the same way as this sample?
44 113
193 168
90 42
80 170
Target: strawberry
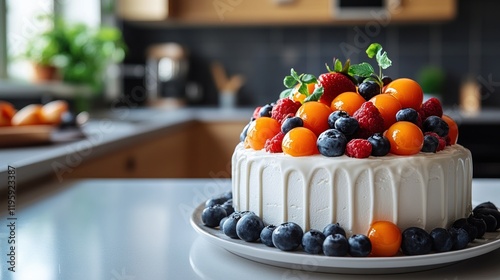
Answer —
335 82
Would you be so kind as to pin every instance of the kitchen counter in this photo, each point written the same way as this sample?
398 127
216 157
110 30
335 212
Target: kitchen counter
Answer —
139 229
106 132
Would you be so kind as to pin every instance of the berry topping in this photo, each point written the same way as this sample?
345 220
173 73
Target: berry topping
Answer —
283 108
260 130
256 112
336 245
386 80
369 89
369 119
416 241
243 133
291 122
407 91
299 141
331 143
248 228
335 82
273 145
334 116
312 241
385 238
409 115
315 116
380 145
405 137
437 125
266 235
431 144
265 111
358 148
359 245
453 129
388 106
347 125
287 236
432 107
347 101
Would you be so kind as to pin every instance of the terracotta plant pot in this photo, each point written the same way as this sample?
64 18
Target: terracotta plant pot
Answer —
44 72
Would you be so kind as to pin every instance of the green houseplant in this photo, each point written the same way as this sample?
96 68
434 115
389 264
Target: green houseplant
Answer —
79 52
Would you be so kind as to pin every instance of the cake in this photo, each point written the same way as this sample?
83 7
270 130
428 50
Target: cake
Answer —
352 153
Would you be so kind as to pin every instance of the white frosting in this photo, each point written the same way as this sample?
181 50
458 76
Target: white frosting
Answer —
424 190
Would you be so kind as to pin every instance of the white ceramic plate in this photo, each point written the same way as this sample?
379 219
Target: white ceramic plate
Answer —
349 265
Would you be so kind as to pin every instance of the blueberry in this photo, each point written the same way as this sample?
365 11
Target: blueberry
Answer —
347 125
380 145
290 123
287 236
336 245
431 143
334 116
460 238
228 206
488 211
489 220
221 224
266 110
266 235
243 133
229 226
462 223
368 89
407 114
212 215
312 241
386 80
488 205
441 240
479 224
331 143
359 245
416 241
332 229
248 228
437 125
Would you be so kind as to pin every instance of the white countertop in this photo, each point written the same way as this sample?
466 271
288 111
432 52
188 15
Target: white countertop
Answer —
139 229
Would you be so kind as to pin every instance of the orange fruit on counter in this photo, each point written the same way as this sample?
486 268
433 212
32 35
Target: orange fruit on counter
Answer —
388 106
405 138
7 111
52 112
386 239
348 101
29 115
299 142
453 129
315 116
407 91
260 130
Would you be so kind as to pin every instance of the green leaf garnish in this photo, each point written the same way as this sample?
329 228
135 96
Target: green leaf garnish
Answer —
337 65
294 74
373 49
289 81
303 89
309 79
361 70
382 59
286 93
318 91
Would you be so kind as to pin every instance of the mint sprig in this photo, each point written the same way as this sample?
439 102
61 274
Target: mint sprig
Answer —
294 79
365 70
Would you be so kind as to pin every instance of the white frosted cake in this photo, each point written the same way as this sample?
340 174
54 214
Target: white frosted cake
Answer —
427 190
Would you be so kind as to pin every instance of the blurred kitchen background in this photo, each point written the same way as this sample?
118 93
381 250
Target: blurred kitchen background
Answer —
235 53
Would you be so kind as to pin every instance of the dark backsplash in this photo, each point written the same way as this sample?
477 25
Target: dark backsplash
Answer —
466 46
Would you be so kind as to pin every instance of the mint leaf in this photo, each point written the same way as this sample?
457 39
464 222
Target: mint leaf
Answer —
309 79
286 93
337 65
373 49
315 96
361 70
303 89
294 75
382 59
289 81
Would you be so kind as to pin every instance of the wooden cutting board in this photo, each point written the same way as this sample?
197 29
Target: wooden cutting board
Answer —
15 136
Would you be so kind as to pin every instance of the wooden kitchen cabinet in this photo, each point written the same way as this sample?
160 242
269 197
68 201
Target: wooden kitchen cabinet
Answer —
259 12
195 150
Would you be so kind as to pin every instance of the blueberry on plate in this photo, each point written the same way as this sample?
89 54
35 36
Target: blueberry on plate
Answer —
228 206
437 125
416 241
441 240
334 116
221 224
214 201
407 114
332 229
488 211
248 228
336 245
359 245
331 143
287 236
312 241
479 224
229 226
460 238
290 123
489 220
347 125
212 215
380 145
266 235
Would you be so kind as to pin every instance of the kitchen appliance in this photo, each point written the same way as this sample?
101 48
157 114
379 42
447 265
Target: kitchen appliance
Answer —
166 75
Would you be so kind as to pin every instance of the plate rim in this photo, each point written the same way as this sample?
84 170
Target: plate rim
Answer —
260 253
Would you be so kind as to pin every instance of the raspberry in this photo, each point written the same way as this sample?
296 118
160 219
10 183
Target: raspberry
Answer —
432 107
273 145
256 112
358 148
442 140
370 120
284 107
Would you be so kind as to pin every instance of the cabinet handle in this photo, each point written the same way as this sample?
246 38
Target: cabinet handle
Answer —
130 164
